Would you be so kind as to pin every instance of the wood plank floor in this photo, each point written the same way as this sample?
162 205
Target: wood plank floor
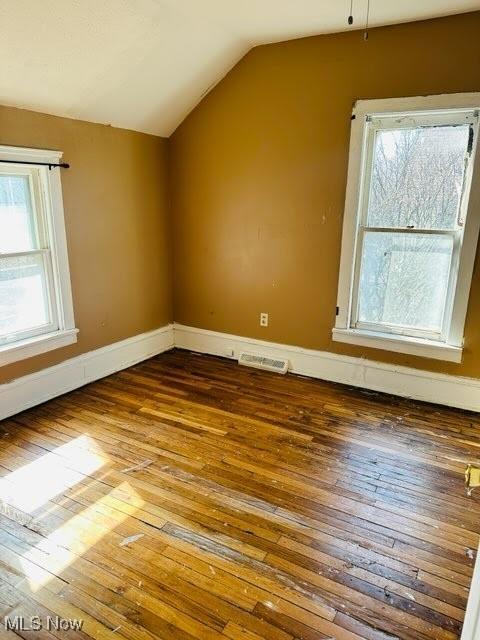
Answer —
264 507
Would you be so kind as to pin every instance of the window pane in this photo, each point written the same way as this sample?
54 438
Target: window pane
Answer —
404 279
417 177
17 227
23 294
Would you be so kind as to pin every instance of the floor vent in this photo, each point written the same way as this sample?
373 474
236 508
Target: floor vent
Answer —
261 362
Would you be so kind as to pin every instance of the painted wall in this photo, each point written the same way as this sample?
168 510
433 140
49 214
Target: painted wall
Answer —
258 177
116 206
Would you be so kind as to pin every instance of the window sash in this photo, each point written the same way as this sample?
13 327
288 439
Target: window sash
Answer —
375 124
405 330
51 294
36 197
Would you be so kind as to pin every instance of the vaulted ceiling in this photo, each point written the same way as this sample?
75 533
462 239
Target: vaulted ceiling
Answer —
144 64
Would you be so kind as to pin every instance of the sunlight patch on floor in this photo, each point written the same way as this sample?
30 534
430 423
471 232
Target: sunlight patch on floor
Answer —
37 482
61 548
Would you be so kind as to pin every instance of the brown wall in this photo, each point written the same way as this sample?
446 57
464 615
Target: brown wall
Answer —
258 176
115 199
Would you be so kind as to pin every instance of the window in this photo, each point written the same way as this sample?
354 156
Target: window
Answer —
410 231
36 312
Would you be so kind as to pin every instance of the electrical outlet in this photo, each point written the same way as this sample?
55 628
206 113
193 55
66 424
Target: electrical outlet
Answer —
264 319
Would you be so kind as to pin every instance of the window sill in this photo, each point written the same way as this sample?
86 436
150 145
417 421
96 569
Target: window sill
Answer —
34 346
400 344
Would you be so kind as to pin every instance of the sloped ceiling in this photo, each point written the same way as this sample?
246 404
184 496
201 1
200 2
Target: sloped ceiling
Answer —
144 64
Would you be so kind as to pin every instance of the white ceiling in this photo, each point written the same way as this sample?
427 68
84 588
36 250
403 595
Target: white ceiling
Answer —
144 64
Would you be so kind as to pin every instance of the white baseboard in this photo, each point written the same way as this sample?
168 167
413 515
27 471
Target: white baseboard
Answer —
454 391
33 389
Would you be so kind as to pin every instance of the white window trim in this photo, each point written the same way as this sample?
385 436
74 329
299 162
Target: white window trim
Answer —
52 193
343 331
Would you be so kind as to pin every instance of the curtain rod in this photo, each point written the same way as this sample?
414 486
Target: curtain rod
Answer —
50 165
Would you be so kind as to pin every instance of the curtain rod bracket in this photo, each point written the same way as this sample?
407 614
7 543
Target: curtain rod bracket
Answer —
61 165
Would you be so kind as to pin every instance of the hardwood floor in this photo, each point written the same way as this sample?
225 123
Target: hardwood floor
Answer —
263 507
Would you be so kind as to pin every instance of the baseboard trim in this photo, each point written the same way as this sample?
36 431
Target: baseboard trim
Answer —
454 391
33 389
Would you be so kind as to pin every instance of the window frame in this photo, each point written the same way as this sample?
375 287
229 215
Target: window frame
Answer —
47 205
448 345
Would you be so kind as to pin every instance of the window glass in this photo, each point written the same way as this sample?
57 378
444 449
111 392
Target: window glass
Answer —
404 279
417 177
17 223
23 294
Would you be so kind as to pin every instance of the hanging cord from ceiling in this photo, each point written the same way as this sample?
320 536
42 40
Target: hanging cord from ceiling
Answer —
350 18
365 33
